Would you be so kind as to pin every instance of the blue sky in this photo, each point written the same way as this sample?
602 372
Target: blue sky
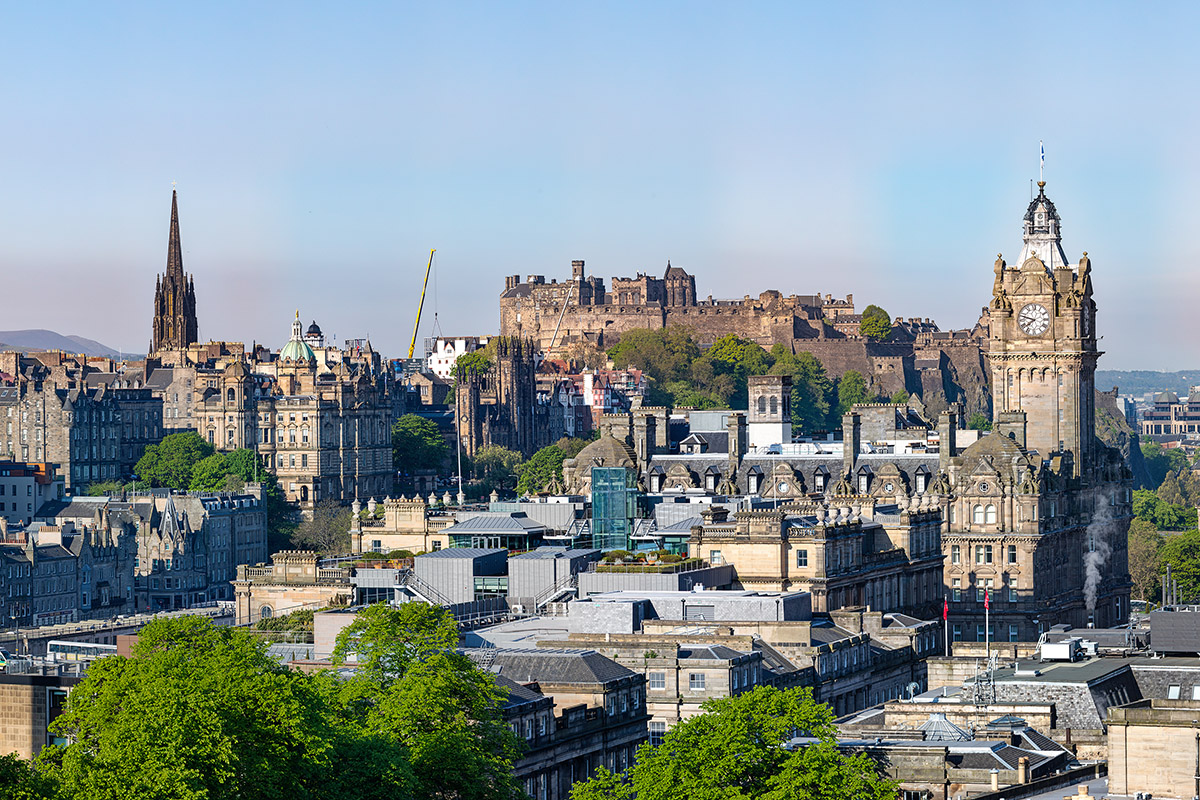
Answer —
884 150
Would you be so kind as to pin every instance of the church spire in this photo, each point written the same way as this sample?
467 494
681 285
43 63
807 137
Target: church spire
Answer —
174 250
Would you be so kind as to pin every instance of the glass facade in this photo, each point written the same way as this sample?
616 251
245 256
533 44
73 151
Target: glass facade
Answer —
614 505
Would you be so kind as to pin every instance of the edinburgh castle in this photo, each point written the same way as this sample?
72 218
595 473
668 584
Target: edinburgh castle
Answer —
941 367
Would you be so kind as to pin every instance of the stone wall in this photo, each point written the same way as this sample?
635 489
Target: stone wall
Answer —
1154 747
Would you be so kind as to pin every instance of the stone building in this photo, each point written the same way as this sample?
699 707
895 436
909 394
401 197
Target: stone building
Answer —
597 716
186 547
1033 517
1172 415
293 581
93 435
1153 748
502 406
30 702
57 573
322 425
942 367
175 325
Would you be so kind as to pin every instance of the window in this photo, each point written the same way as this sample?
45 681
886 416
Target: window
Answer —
977 515
696 681
1014 633
979 633
715 557
658 680
1196 692
983 554
657 731
956 589
1014 596
637 698
1173 692
736 679
863 483
955 554
802 558
989 514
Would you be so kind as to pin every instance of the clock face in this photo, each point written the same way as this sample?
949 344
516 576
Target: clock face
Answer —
1034 319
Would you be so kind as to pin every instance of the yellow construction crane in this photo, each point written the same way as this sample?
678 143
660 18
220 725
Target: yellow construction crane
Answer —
421 305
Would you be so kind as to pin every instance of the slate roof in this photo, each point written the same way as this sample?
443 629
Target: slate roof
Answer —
496 522
549 551
708 652
462 552
545 666
518 695
683 526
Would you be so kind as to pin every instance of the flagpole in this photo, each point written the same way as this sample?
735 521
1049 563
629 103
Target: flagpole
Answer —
946 623
987 624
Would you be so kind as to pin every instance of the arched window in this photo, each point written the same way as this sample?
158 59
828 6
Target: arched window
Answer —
229 395
265 613
774 406
990 514
303 494
977 515
762 405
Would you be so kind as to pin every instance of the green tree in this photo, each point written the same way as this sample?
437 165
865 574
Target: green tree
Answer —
814 396
1145 542
201 712
542 470
21 780
169 463
327 531
664 354
852 389
497 465
876 323
1161 461
979 422
900 397
417 444
442 709
572 445
476 362
736 749
1182 553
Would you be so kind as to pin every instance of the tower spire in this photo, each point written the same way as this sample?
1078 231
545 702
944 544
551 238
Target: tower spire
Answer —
174 250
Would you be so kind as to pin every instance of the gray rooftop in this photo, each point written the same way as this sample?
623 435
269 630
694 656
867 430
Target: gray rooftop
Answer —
496 523
567 666
463 552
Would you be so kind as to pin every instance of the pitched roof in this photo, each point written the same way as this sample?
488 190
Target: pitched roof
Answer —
545 666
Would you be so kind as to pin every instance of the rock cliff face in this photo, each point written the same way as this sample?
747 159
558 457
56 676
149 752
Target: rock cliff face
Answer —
1113 429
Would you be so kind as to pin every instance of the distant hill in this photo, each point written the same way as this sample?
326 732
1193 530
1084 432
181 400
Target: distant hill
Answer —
49 340
1133 382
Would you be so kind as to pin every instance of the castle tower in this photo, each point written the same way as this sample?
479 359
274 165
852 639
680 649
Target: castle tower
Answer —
174 296
1043 342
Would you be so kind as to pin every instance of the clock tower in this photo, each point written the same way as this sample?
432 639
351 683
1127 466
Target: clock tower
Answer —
1043 344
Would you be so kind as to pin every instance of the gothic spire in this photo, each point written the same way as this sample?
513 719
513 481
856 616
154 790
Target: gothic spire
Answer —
174 250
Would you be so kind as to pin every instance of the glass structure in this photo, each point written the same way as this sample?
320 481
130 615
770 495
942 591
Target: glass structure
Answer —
614 505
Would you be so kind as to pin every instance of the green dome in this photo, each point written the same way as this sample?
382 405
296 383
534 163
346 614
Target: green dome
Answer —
296 349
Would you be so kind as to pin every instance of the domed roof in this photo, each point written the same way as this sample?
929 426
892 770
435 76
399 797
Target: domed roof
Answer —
1002 451
1166 397
607 451
296 349
313 330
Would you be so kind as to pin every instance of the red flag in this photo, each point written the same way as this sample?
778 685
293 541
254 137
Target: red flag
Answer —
987 599
945 609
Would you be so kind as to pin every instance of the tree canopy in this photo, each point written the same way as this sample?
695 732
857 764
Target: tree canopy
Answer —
852 389
170 463
1145 545
201 712
327 531
1161 461
542 470
739 748
497 465
876 323
1182 552
417 444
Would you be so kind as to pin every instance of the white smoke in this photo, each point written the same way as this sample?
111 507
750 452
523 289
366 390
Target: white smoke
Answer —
1097 548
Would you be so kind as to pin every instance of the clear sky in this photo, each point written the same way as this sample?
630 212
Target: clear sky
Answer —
884 150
